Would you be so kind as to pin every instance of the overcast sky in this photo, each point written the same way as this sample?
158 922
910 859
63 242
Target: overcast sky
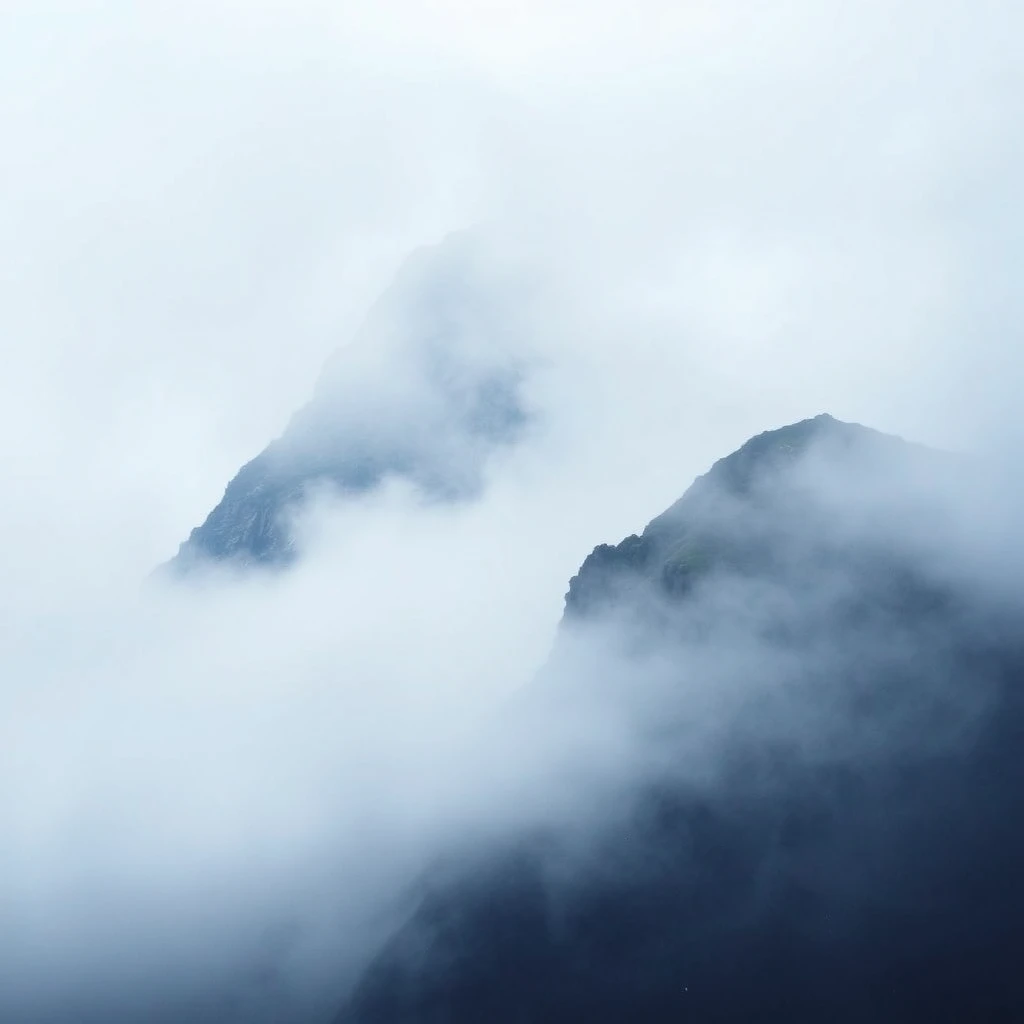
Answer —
738 214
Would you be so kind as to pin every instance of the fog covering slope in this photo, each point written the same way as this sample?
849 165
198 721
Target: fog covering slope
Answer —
214 796
428 389
793 778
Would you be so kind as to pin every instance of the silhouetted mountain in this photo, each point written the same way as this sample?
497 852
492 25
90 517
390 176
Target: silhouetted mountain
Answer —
823 816
426 392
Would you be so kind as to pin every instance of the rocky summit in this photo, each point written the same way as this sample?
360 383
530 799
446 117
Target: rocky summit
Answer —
821 817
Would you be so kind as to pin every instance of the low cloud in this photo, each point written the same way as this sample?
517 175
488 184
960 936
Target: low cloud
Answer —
725 219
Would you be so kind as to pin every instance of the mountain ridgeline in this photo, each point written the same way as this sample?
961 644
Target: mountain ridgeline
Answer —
818 666
773 767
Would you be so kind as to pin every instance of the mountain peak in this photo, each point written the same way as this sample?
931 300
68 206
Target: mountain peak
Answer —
727 515
428 391
775 448
803 795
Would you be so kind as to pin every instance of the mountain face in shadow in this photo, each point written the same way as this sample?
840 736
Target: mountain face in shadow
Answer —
427 392
815 809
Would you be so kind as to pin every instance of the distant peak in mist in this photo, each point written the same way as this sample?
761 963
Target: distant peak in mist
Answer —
428 390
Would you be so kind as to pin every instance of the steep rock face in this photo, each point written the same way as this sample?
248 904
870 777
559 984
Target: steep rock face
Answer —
427 392
823 817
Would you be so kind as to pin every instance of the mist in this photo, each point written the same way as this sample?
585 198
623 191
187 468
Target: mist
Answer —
693 223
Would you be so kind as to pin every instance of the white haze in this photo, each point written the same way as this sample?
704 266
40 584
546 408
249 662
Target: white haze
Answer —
738 215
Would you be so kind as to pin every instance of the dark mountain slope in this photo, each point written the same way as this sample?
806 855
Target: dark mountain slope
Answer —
822 819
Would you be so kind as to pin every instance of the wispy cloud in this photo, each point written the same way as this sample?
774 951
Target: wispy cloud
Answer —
730 216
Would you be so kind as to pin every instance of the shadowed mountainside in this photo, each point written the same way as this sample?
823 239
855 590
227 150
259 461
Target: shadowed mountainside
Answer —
821 819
